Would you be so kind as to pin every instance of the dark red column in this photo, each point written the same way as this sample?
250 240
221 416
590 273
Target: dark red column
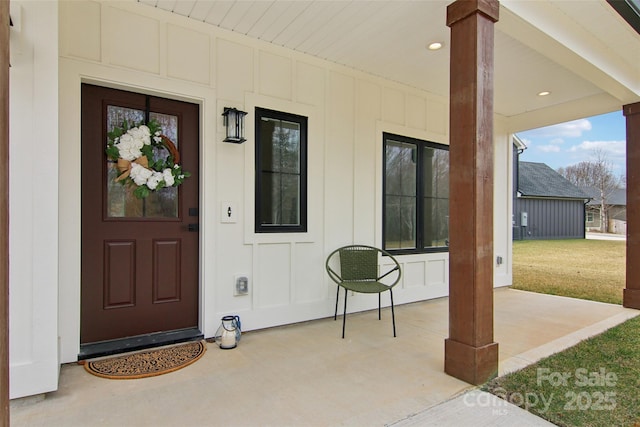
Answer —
470 353
4 213
631 295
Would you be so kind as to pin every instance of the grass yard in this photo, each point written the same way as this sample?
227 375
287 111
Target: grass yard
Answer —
587 269
596 382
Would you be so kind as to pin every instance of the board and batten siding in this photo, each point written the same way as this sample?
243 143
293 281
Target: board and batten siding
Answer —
550 218
130 46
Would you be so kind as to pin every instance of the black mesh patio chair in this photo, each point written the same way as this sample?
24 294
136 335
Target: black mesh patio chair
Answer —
355 268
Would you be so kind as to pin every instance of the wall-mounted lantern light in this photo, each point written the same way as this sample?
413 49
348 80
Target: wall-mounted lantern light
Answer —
234 122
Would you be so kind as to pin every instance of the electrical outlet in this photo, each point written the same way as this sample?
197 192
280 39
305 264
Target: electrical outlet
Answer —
241 285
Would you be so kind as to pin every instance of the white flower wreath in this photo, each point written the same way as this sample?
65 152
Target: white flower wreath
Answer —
136 151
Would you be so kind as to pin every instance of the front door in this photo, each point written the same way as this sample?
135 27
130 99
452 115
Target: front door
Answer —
139 255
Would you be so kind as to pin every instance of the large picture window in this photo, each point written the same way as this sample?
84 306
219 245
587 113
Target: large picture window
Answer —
281 172
416 195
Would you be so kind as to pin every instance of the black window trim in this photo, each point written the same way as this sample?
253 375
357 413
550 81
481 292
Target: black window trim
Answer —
303 122
421 145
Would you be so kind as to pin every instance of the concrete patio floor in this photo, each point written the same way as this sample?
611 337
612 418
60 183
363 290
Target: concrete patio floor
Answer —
306 375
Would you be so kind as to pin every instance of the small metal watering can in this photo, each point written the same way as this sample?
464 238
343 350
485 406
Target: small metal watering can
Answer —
228 333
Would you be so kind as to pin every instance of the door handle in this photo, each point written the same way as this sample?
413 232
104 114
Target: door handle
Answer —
193 227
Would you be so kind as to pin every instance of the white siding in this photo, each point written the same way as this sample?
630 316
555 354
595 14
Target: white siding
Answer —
348 111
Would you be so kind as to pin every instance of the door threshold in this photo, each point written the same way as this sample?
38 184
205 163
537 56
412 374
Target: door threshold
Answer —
139 342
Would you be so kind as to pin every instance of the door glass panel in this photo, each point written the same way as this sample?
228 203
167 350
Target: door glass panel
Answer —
121 202
164 202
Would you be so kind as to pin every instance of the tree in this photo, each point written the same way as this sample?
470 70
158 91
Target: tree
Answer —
597 175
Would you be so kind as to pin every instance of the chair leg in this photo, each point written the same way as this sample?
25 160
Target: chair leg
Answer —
379 305
335 314
344 316
393 315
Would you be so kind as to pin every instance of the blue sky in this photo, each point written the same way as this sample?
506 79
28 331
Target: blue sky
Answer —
572 142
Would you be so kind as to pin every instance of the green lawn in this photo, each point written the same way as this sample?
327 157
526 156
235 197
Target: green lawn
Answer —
587 269
596 382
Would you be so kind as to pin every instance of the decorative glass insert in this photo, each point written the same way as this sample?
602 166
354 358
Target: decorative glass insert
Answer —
121 202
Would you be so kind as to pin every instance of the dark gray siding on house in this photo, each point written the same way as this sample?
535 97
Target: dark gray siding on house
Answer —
549 219
554 206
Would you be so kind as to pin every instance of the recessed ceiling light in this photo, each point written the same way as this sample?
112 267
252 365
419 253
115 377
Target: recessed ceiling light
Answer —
435 46
544 93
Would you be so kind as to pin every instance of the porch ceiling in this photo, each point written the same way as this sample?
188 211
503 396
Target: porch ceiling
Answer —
584 54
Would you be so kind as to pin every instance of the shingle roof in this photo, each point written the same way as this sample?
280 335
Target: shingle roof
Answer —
615 197
539 180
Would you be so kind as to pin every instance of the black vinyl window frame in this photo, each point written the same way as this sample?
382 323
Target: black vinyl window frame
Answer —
260 227
420 146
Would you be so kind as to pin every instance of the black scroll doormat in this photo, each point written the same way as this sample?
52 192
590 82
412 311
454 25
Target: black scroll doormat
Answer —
147 363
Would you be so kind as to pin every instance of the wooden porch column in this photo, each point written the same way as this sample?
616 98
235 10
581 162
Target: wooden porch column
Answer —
470 353
4 213
631 295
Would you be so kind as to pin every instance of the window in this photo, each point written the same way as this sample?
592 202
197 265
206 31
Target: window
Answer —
416 195
281 172
590 217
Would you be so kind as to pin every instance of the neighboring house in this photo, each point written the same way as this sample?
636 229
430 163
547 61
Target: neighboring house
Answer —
547 205
617 210
347 140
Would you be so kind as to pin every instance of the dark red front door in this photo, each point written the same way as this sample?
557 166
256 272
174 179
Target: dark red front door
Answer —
139 256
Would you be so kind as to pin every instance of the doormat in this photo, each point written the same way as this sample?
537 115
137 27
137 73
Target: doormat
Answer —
147 363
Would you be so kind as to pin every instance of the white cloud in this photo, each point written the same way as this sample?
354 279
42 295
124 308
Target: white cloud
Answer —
549 148
573 129
612 148
557 141
615 152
